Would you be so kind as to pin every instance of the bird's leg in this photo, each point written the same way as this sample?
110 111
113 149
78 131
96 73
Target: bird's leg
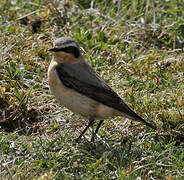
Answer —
91 121
92 128
97 128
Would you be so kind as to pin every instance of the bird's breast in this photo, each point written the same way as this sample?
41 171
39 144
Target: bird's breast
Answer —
71 99
76 102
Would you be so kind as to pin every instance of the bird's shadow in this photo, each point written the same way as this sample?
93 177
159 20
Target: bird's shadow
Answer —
118 154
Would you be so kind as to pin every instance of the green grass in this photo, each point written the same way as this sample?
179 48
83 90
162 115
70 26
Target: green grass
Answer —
136 46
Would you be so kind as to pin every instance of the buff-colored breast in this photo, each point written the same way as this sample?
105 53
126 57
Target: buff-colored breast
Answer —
76 102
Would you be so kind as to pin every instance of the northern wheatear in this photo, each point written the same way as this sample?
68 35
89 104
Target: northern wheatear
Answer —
79 88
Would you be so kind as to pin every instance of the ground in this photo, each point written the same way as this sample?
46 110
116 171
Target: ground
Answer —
136 46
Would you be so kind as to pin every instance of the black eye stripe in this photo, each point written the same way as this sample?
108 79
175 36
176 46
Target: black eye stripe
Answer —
70 49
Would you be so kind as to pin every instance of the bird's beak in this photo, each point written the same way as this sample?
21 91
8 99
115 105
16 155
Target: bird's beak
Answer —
53 50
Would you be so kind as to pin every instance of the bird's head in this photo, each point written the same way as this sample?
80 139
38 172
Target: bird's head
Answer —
66 50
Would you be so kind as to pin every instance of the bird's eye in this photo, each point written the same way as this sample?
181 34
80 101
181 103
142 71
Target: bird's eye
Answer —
69 50
73 50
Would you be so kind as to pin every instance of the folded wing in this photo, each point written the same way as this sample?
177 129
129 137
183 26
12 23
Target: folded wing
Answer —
91 85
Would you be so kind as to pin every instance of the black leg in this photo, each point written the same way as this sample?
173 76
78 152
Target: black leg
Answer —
98 127
91 121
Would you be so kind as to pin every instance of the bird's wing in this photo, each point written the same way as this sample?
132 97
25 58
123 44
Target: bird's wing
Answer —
91 85
83 72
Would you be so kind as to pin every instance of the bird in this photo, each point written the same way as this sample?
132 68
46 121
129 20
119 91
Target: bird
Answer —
78 87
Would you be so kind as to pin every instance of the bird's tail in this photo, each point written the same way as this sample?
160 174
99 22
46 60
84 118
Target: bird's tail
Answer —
140 119
134 116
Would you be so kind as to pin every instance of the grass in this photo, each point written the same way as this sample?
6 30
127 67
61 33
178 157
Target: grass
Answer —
136 46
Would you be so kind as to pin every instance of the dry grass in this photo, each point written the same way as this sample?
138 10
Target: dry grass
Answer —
137 47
